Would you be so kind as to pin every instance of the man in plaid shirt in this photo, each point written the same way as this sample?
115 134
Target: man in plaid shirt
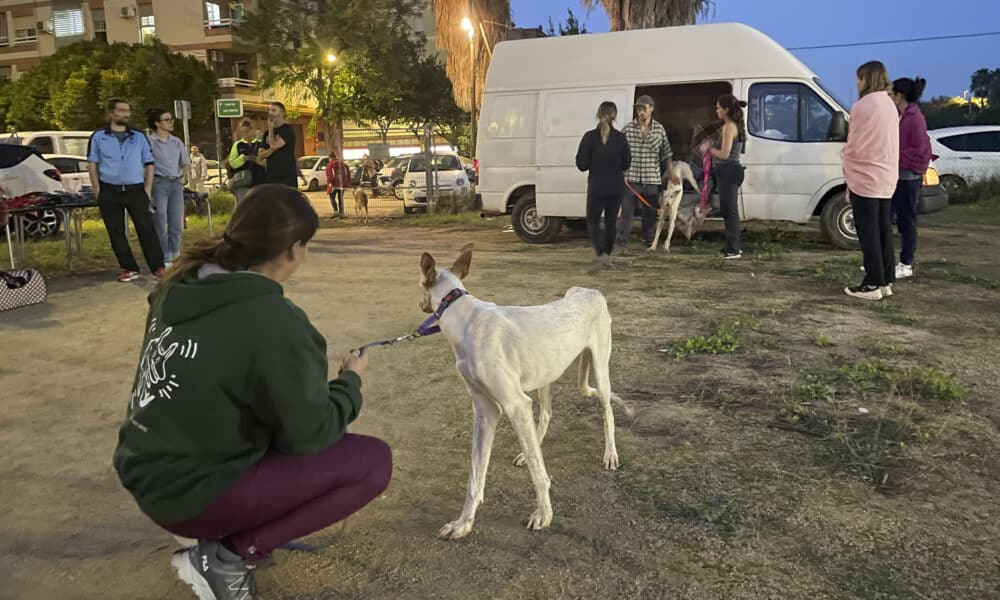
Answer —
647 140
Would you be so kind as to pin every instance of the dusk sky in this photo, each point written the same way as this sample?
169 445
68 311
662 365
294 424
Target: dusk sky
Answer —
947 64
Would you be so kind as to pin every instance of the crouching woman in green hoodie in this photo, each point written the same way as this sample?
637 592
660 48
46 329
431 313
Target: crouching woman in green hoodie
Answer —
234 436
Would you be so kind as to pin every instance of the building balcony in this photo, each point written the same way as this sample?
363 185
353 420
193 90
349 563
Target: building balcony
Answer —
24 40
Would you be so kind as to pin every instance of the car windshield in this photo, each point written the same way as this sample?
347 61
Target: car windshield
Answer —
840 103
441 162
77 146
308 162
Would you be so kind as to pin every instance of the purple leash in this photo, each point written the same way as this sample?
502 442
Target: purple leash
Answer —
428 327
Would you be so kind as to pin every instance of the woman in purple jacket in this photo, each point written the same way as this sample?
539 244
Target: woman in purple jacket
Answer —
914 158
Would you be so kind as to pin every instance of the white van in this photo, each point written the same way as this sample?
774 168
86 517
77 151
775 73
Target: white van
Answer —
541 96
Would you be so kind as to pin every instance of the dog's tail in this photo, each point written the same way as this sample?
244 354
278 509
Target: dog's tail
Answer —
586 365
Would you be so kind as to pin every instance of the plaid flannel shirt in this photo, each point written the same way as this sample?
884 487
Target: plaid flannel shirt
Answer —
649 152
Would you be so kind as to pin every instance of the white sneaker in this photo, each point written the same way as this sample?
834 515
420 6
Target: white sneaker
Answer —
886 290
903 271
864 292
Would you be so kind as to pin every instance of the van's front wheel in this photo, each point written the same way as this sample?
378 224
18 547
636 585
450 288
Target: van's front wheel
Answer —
530 226
837 222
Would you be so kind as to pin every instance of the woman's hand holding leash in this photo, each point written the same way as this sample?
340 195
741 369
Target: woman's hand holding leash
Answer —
356 361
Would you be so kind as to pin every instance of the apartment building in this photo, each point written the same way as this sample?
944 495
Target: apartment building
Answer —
31 30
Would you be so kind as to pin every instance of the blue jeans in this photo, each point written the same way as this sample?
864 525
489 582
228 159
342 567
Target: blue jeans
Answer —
337 193
168 218
904 205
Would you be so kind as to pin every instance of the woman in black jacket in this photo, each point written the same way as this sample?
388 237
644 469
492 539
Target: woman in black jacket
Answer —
604 152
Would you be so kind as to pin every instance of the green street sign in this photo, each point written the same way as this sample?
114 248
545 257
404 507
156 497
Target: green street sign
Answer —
229 108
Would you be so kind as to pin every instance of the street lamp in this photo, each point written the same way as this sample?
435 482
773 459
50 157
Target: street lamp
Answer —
471 31
331 57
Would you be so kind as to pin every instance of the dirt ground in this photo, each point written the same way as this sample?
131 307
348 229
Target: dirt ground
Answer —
824 451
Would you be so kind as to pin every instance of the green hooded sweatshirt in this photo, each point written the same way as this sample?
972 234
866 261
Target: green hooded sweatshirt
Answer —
229 370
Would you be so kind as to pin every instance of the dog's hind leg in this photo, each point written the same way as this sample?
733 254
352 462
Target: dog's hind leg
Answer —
518 410
659 225
544 415
675 204
485 414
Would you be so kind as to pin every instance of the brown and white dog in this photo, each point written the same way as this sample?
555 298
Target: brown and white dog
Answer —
361 203
504 352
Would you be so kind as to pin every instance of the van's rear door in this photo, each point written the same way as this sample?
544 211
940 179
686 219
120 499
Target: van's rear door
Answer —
563 117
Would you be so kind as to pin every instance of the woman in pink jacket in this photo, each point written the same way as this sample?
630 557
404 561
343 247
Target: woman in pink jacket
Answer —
871 169
914 158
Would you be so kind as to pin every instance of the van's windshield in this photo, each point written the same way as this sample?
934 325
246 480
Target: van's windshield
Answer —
840 103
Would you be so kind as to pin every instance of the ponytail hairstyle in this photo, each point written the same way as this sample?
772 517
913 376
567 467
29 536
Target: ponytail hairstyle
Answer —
734 109
269 221
153 117
607 112
910 89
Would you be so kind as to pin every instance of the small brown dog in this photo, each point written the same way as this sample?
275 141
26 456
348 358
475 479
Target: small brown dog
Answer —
361 203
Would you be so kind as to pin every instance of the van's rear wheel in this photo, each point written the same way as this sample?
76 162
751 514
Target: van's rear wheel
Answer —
530 226
837 222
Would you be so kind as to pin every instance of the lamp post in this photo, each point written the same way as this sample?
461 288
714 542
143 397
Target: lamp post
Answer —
471 31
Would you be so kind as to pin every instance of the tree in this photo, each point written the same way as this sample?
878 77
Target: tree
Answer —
572 26
986 84
645 14
491 20
361 35
428 99
68 90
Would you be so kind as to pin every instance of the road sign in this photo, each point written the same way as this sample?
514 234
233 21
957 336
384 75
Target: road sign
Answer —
182 109
229 108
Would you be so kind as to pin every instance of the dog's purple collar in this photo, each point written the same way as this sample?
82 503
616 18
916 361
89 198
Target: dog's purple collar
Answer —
429 326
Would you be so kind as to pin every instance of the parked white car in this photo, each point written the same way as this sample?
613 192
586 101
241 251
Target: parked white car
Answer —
22 170
73 143
72 169
313 169
966 155
449 174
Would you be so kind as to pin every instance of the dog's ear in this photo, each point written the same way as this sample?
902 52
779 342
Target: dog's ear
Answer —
464 261
427 268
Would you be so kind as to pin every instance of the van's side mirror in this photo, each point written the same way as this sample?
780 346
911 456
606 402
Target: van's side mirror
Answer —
838 128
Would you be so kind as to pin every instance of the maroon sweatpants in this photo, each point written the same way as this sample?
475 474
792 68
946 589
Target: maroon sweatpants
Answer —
286 497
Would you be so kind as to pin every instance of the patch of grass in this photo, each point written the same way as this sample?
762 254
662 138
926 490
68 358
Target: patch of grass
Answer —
766 252
893 314
983 208
842 270
929 383
889 350
968 278
875 447
717 262
822 341
49 255
782 237
728 337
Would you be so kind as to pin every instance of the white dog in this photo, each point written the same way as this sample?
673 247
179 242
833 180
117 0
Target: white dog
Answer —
504 352
670 200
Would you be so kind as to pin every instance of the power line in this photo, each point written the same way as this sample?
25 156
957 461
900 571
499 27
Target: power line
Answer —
904 41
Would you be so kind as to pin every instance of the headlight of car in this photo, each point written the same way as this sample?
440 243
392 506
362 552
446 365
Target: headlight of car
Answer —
413 183
460 182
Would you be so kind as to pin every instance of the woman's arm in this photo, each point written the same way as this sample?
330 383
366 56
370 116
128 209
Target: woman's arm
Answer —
728 135
626 155
583 153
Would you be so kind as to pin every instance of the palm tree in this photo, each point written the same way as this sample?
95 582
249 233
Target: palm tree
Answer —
494 18
644 14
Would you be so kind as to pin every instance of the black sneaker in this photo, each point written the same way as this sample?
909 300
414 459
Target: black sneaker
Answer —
210 577
864 292
729 255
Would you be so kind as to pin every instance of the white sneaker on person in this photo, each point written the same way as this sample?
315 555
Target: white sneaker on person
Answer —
904 271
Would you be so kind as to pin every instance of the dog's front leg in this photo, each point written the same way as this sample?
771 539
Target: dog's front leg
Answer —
659 225
519 413
485 414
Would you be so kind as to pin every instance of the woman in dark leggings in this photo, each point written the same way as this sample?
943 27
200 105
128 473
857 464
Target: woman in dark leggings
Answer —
604 152
728 168
914 158
234 435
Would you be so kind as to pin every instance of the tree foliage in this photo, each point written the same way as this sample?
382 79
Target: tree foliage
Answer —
646 14
68 90
571 26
